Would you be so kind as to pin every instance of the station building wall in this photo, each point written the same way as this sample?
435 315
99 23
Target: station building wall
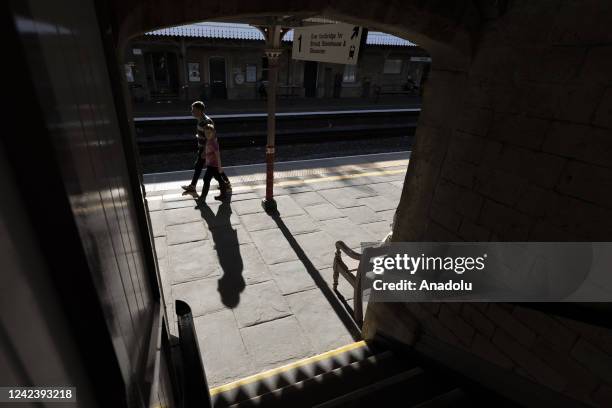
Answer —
238 54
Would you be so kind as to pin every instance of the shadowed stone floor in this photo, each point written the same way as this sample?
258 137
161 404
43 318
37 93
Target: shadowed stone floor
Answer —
260 286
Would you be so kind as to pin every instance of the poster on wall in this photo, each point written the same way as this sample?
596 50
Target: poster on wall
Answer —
251 73
194 71
129 74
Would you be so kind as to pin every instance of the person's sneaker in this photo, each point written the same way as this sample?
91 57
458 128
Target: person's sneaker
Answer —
190 188
221 197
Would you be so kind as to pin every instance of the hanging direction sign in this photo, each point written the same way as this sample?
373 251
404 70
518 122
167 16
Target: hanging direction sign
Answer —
335 43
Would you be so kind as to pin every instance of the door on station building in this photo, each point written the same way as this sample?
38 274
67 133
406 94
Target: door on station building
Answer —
310 78
217 78
162 74
328 82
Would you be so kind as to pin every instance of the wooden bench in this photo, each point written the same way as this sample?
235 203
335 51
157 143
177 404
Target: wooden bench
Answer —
352 276
406 89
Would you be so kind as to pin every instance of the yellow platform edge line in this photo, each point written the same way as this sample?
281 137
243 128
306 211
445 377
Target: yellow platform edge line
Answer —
278 370
297 182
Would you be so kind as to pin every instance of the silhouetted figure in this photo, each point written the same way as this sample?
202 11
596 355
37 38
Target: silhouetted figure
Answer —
225 239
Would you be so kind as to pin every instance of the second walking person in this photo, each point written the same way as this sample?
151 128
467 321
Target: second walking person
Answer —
212 156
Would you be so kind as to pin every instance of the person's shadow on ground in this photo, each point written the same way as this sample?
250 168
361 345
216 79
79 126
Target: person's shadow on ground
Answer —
225 239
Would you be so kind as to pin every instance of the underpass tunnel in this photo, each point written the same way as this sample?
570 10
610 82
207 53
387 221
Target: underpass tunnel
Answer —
513 144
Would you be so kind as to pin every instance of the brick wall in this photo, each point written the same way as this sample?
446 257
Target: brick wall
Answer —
517 146
566 356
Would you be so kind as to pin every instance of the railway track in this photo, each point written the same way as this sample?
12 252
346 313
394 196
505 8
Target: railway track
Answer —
176 133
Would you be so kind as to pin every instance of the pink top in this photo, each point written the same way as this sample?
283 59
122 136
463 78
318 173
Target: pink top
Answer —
212 147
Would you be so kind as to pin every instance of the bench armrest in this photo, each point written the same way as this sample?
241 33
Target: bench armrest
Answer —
341 246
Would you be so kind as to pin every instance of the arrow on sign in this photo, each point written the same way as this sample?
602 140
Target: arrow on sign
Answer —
355 32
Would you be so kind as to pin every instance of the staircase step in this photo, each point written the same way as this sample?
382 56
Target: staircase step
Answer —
453 398
408 392
261 383
355 395
330 385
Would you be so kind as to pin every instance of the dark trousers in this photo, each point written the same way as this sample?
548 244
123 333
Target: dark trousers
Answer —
213 172
199 165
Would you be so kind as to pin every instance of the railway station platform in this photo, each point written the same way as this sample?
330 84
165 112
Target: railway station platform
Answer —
260 287
223 107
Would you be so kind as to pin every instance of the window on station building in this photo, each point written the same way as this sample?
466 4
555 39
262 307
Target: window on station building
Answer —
264 68
350 73
392 66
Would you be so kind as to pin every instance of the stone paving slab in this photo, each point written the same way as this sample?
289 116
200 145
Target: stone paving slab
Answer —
181 215
262 303
201 295
287 207
248 207
308 198
274 343
158 222
343 229
242 196
255 269
161 247
215 214
292 277
192 261
258 221
378 203
255 304
297 188
172 204
362 214
273 246
155 205
227 235
340 198
219 337
324 211
318 320
182 233
319 247
387 215
387 190
378 229
301 224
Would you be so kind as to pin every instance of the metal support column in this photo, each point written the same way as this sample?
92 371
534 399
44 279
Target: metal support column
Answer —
273 52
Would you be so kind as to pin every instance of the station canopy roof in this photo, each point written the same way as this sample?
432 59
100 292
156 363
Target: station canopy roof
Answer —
237 31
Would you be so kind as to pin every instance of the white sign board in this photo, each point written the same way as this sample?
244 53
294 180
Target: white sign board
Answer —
420 59
336 43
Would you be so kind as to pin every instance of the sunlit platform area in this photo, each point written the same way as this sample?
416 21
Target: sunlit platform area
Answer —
259 285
